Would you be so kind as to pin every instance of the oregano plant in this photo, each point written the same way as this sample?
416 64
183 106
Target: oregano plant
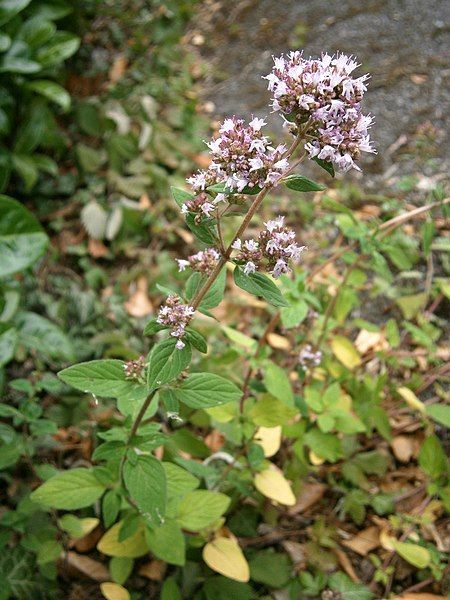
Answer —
153 500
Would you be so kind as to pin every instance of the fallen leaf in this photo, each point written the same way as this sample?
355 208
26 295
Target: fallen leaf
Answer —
96 248
403 447
215 440
154 570
272 484
345 352
138 304
368 340
89 541
419 597
345 563
114 591
279 342
225 556
118 68
411 399
296 551
84 565
144 202
309 495
315 460
270 439
364 541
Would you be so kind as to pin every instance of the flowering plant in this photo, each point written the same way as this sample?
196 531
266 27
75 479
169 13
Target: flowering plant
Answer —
157 501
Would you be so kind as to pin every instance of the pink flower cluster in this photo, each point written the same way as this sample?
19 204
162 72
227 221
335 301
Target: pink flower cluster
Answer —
201 206
134 368
242 157
308 358
203 261
176 315
275 248
323 94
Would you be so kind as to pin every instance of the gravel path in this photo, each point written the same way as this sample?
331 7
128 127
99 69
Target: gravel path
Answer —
404 45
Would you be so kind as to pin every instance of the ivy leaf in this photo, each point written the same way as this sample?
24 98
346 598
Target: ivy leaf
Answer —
166 362
69 490
302 184
145 480
259 285
203 390
104 378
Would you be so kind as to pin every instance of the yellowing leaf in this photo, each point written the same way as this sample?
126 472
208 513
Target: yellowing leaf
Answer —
411 399
270 439
272 484
315 459
133 547
345 352
114 591
224 556
413 553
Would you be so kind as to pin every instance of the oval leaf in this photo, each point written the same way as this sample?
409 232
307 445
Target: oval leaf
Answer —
133 547
114 591
69 490
224 556
272 484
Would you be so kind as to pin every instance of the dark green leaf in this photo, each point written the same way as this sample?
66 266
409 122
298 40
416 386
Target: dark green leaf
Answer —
259 285
302 184
146 483
202 390
166 362
325 164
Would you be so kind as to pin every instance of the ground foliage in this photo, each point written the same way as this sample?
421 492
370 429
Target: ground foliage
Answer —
332 481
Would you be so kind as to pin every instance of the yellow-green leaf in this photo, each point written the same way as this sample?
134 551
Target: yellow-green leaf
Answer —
114 591
413 553
224 556
345 352
133 547
272 484
411 399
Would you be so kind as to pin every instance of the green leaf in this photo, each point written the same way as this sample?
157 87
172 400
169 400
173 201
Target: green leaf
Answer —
104 378
325 164
10 8
120 568
270 412
8 341
181 196
18 65
166 362
17 574
43 336
348 589
203 231
302 184
214 295
278 384
69 490
52 91
432 458
416 555
270 568
146 482
61 46
203 390
25 167
440 413
110 507
201 508
167 543
196 339
179 481
169 590
259 285
325 445
292 316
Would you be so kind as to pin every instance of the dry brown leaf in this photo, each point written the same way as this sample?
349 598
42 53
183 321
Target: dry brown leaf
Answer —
215 440
117 68
295 550
368 340
83 565
144 202
96 248
403 447
89 541
279 342
154 570
364 541
138 304
346 564
309 495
